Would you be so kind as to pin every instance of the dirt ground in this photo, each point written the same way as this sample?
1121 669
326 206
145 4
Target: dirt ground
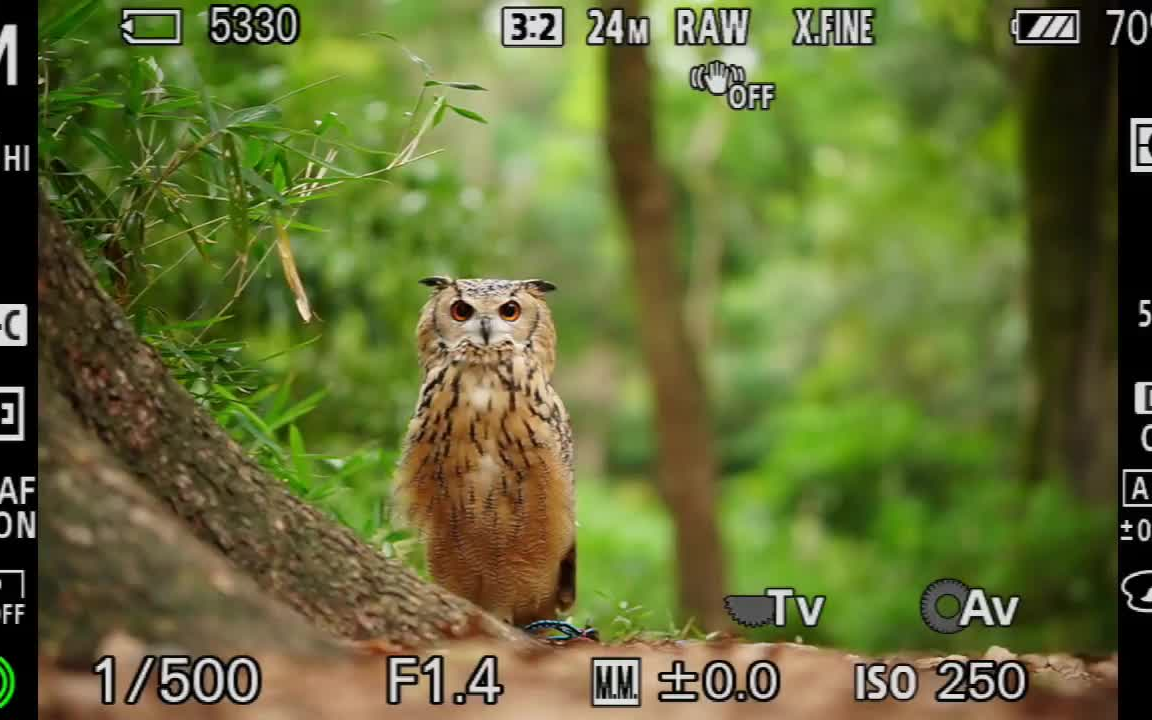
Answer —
555 682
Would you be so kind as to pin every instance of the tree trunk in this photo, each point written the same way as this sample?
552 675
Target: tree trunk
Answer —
704 279
687 463
112 559
1070 176
120 390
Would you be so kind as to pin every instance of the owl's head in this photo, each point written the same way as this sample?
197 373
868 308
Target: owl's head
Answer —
485 313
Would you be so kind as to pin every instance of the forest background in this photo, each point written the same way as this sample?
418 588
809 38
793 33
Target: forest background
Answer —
907 352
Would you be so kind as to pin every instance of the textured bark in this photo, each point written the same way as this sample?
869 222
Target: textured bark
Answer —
687 466
121 391
1070 173
113 559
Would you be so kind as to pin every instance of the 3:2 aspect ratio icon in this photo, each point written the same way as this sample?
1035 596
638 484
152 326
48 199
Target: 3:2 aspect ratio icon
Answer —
11 414
532 26
1045 27
152 26
1141 152
13 325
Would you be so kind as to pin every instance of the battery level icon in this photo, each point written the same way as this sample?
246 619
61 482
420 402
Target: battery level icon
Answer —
1046 27
152 26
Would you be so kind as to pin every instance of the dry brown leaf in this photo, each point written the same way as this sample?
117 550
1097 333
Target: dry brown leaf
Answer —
288 261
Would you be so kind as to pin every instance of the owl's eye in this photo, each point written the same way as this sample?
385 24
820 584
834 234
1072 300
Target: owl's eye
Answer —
461 311
510 311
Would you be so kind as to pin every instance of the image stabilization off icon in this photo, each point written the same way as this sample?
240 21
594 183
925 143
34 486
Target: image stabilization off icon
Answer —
731 81
716 77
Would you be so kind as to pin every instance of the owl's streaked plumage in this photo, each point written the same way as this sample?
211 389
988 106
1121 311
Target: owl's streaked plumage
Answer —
486 472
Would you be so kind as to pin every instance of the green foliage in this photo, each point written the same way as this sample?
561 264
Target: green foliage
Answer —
180 168
1007 539
866 353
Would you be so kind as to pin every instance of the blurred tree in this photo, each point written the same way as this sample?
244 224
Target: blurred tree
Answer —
686 462
1070 174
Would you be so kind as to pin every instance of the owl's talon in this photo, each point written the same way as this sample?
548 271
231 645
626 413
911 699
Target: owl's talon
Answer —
570 631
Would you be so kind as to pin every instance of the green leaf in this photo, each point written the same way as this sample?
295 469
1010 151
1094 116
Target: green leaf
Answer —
189 324
175 212
237 192
330 120
280 171
134 90
298 410
397 535
289 349
470 114
411 55
457 85
248 116
168 105
300 457
66 23
265 187
102 102
439 117
310 157
210 109
103 146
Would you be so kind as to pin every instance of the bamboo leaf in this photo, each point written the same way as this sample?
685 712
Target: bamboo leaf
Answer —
67 22
237 193
300 457
248 116
288 261
457 85
470 114
438 117
411 55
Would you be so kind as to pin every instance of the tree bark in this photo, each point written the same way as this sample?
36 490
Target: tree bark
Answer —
704 278
114 560
120 390
687 467
1070 176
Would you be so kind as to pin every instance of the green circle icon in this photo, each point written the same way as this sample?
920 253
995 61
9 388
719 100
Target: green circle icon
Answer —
7 682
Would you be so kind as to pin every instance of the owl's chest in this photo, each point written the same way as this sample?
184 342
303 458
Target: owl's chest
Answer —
489 428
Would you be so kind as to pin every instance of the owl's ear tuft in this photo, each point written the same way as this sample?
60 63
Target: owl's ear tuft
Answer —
540 286
436 281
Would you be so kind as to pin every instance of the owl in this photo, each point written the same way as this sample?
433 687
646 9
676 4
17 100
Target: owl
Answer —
485 475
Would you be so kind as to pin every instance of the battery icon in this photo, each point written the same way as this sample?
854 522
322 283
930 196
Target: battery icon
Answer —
1046 27
152 26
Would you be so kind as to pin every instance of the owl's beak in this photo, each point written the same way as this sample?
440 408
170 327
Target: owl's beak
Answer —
486 329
